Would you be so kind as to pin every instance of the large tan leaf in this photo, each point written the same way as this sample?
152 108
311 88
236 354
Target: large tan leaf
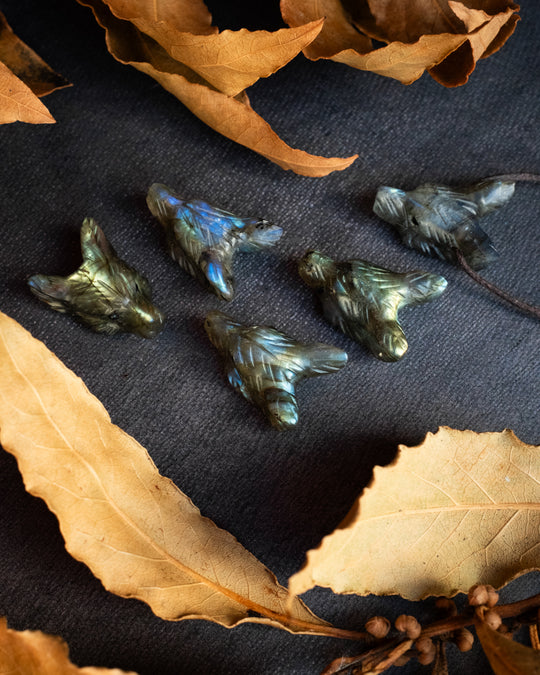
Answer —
443 37
18 103
407 22
26 64
461 508
457 67
404 62
31 652
401 22
505 656
133 527
231 117
232 60
338 32
187 16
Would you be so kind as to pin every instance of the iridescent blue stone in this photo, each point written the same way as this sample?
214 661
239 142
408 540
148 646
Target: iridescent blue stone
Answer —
363 300
440 221
105 292
265 365
203 239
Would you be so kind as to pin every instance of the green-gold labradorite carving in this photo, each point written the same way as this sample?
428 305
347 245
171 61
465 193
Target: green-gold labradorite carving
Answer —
363 300
439 220
203 239
264 365
105 293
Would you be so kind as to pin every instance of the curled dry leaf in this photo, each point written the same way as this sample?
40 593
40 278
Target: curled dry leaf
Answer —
23 77
230 61
18 103
133 527
461 508
26 64
31 651
446 38
188 16
231 117
505 656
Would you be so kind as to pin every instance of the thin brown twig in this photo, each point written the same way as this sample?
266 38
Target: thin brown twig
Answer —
438 628
452 623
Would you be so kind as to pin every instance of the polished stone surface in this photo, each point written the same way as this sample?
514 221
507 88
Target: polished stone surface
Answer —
264 365
203 238
438 220
471 359
363 300
105 293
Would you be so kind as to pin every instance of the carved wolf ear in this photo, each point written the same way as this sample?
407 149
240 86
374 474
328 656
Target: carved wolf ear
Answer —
218 274
390 204
52 290
94 244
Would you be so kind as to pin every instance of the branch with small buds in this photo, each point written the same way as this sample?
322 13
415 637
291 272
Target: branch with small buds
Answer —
408 639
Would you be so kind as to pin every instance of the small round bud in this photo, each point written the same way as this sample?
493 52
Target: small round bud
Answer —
425 645
493 597
446 605
378 626
492 619
409 625
463 639
425 658
478 595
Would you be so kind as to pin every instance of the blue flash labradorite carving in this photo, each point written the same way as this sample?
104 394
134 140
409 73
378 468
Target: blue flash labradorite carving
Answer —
363 300
203 239
439 220
264 365
105 293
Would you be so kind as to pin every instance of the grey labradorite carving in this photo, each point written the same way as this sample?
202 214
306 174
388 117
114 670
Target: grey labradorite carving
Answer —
203 239
438 220
363 300
264 365
105 293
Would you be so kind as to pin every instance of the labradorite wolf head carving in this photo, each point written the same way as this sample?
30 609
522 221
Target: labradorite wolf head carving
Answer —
203 239
105 292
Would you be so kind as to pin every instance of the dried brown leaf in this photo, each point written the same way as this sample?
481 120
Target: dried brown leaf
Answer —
26 64
18 103
442 36
404 62
133 527
31 651
338 33
459 509
188 16
231 117
407 22
505 656
456 68
230 61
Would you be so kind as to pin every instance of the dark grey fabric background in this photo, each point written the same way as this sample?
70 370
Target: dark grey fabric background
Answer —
472 361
